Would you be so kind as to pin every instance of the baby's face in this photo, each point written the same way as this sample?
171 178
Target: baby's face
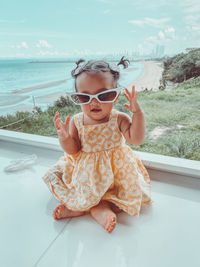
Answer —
94 83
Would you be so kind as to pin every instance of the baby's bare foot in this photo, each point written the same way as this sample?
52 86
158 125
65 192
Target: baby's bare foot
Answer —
103 214
62 212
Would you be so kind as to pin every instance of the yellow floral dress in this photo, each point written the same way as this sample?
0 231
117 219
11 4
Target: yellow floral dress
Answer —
104 169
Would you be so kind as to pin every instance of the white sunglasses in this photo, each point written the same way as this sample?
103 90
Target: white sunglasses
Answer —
108 96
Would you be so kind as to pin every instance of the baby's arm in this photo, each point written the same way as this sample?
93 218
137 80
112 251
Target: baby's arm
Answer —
132 129
68 134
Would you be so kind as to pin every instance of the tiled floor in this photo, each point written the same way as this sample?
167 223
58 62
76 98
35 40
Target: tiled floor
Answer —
166 234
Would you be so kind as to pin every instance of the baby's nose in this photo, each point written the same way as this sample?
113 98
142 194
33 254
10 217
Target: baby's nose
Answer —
94 101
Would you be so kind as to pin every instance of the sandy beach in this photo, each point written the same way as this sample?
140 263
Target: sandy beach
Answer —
149 78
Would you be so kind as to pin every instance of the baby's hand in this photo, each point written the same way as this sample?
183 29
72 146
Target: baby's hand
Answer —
62 127
133 105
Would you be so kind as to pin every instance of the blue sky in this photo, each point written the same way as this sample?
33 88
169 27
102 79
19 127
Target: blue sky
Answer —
63 28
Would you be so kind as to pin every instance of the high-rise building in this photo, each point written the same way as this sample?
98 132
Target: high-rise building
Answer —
160 50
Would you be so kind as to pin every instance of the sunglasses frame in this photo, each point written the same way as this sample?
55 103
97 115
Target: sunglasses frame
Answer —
118 90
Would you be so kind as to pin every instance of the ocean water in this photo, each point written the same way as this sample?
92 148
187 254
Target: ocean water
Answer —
22 83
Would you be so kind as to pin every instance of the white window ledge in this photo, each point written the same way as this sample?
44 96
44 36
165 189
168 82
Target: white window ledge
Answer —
153 161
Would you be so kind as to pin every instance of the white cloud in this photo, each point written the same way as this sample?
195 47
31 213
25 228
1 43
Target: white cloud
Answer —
43 43
193 24
106 11
84 52
22 45
191 6
157 23
153 39
170 33
151 5
192 17
161 35
75 52
137 22
48 53
164 35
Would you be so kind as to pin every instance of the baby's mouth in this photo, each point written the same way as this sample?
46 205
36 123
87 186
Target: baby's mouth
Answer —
95 109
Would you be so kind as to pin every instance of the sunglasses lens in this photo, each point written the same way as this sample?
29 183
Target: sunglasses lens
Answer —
80 99
109 96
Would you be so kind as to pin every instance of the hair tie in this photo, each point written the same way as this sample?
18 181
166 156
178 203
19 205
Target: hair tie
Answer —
114 67
124 62
79 61
79 66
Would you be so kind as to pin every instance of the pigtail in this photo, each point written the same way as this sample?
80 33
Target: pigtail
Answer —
79 61
74 72
124 62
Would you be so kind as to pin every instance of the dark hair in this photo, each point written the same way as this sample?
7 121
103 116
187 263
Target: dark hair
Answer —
95 66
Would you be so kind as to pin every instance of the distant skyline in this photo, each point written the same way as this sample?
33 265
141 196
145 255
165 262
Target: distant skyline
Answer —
64 28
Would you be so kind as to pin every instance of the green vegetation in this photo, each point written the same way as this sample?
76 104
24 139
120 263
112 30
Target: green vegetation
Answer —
39 122
177 111
182 67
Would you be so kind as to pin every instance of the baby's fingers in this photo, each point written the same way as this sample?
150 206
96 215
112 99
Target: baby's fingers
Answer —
127 97
57 123
133 90
56 115
67 120
127 92
134 93
55 118
127 106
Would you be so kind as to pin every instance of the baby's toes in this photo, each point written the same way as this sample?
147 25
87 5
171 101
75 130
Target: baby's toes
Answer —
57 213
111 224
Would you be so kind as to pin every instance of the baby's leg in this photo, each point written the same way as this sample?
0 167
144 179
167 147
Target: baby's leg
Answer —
104 215
62 212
